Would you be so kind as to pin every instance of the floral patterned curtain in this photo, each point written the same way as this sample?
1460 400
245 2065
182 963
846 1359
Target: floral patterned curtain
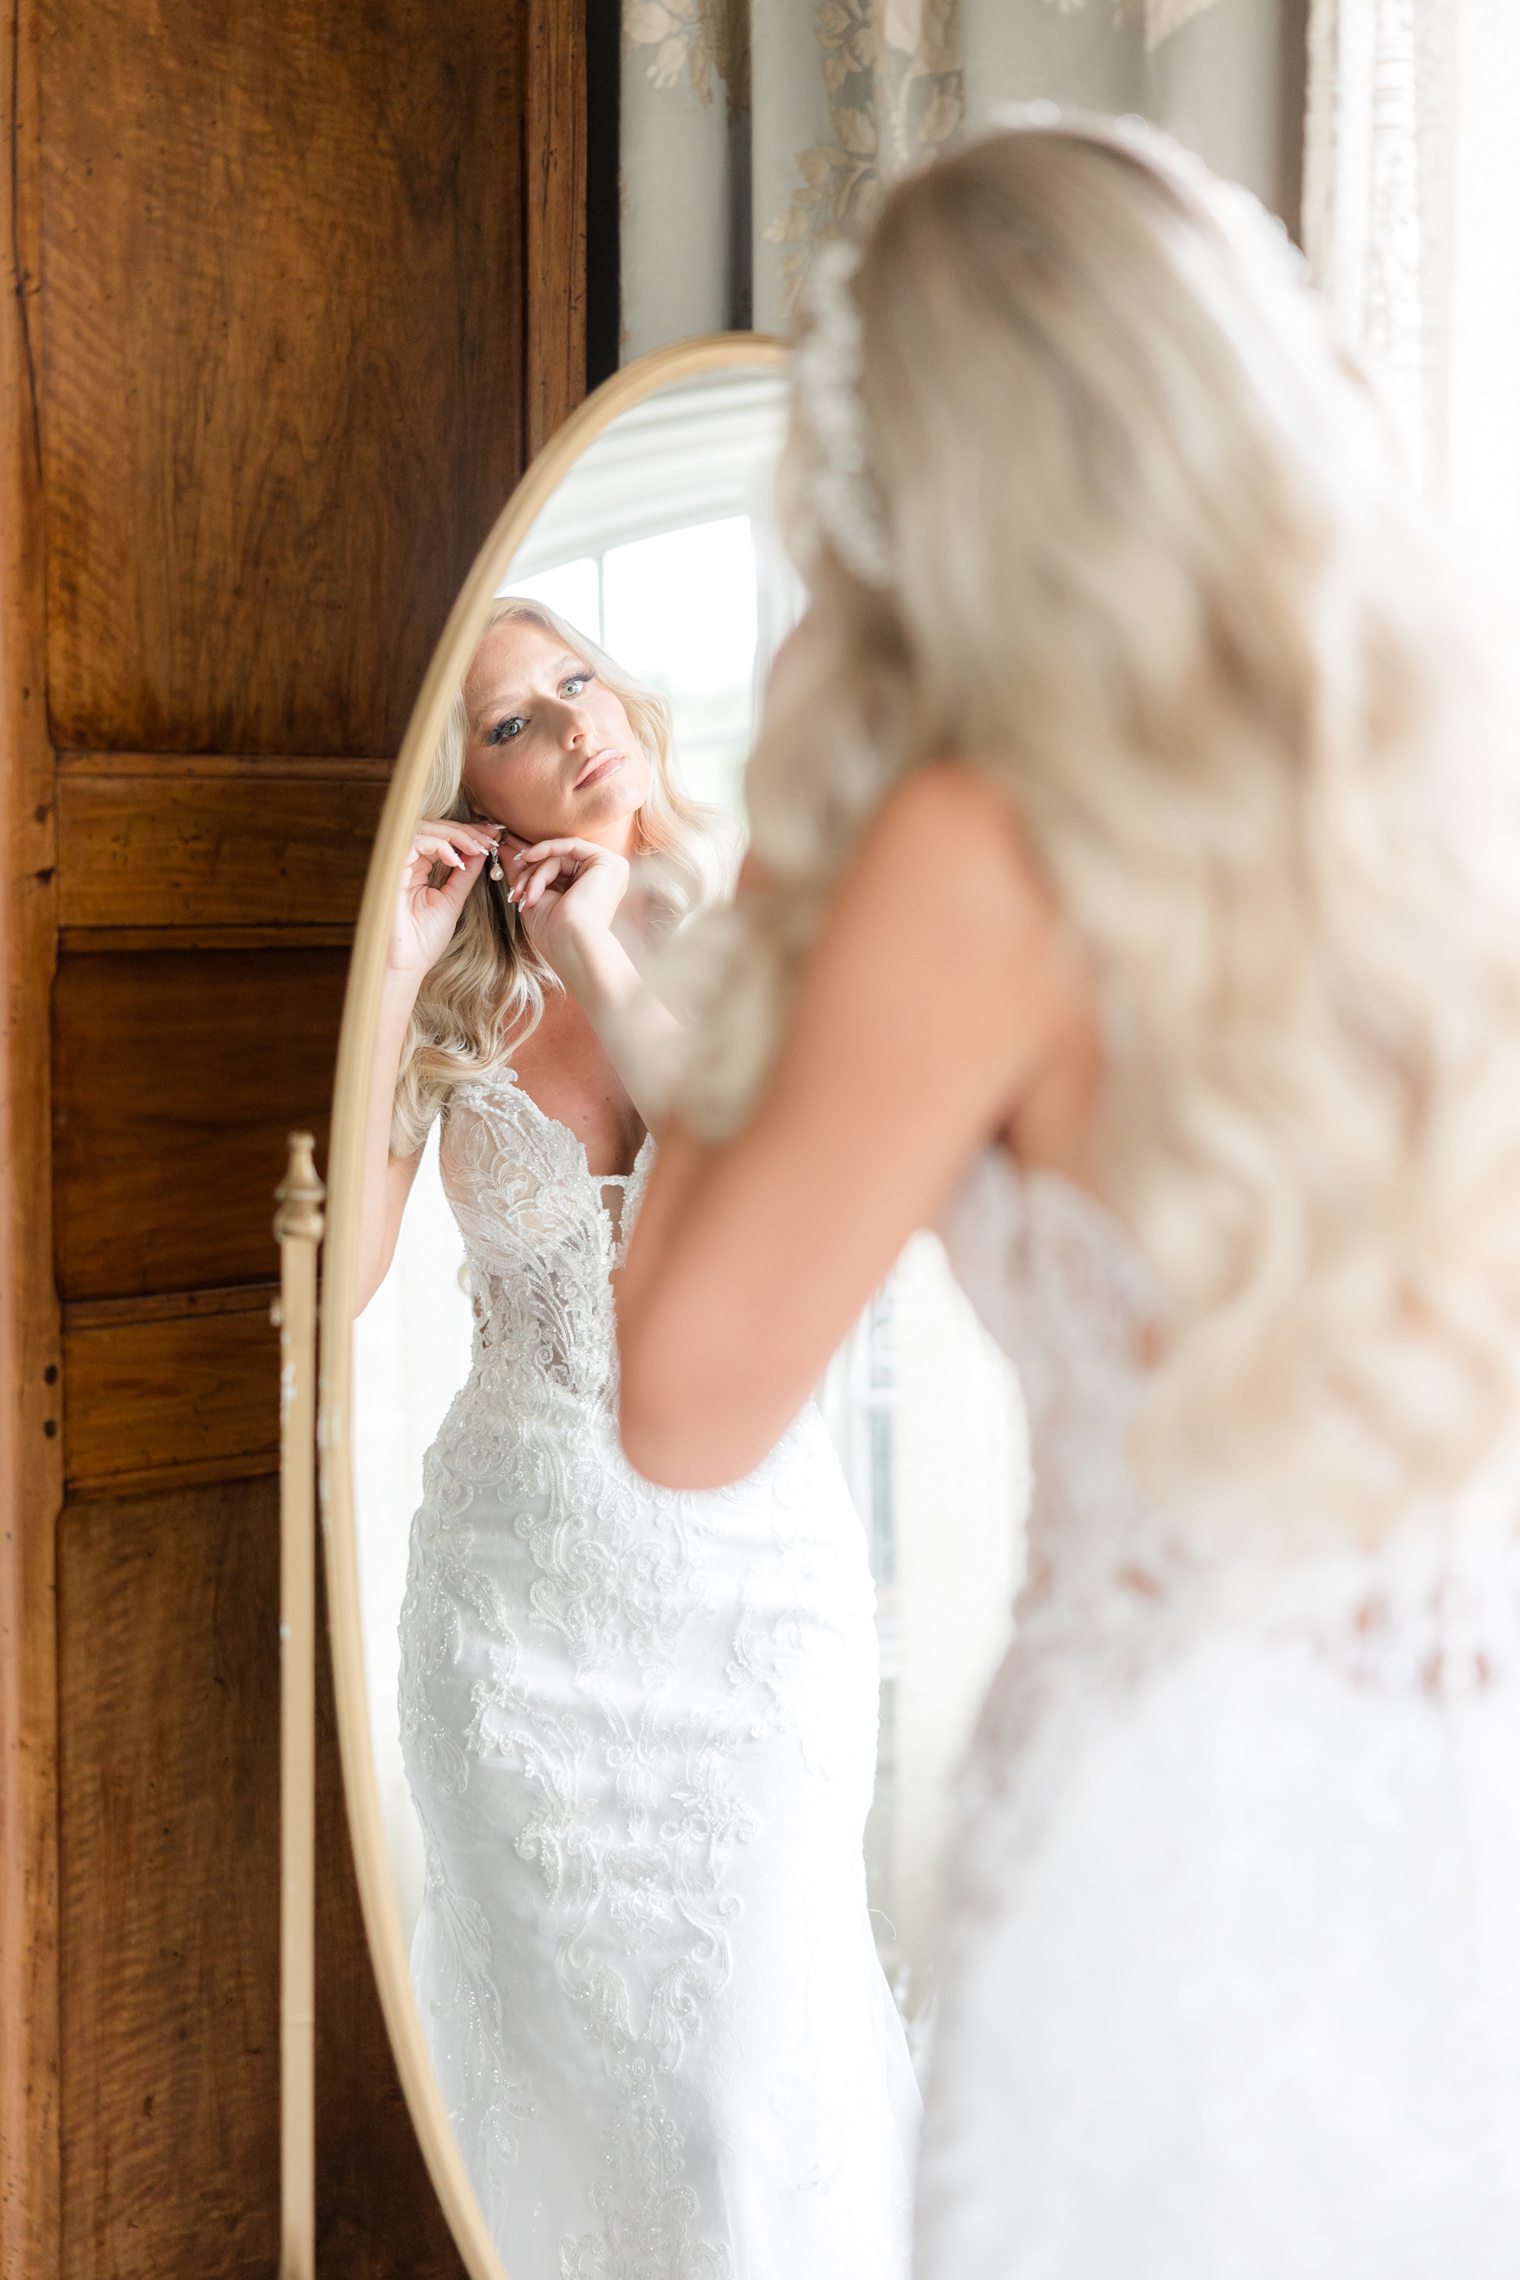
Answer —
751 129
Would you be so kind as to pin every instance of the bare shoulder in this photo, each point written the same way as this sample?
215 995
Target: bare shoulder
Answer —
954 794
954 841
944 930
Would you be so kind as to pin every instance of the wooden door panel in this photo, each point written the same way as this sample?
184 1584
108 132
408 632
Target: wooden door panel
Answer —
178 1075
296 286
207 844
282 358
168 1657
171 1392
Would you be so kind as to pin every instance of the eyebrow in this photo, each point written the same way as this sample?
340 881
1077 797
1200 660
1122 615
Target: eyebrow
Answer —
512 703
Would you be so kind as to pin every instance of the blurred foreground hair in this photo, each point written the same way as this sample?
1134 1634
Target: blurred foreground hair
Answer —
1158 579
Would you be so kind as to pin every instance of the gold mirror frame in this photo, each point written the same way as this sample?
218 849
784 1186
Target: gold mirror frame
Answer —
361 1007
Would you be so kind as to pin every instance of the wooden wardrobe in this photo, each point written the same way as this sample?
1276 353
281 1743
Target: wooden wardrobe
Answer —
295 288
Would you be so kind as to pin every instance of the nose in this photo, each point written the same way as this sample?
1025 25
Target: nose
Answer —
575 726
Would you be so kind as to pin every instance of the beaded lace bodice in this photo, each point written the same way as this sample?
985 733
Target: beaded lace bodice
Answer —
1054 1275
541 1242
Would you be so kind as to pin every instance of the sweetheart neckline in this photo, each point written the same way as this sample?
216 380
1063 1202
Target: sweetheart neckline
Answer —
558 1124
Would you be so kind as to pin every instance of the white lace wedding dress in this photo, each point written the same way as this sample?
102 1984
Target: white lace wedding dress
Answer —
640 1731
1232 1982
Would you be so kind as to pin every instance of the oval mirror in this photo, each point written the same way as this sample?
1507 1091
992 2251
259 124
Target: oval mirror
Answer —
558 1855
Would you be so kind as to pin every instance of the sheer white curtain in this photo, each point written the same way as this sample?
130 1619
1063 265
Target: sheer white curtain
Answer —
1378 152
1412 223
1482 443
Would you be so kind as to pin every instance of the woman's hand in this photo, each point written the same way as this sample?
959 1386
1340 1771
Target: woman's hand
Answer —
425 915
567 893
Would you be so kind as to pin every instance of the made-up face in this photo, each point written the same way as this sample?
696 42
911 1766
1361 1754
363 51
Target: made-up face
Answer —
549 750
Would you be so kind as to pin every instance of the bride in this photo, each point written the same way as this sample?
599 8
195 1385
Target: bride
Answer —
1140 902
639 1724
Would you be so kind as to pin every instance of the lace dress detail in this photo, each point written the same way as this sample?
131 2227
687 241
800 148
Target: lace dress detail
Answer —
640 1731
1232 1984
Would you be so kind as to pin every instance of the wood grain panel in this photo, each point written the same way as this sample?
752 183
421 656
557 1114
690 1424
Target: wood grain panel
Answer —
555 215
282 360
178 1077
169 1770
258 848
31 1445
119 941
176 1390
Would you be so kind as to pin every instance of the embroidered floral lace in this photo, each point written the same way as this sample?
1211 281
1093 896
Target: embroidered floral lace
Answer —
640 1731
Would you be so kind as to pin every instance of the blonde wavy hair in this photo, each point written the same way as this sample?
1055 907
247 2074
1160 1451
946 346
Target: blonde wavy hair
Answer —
1160 583
486 993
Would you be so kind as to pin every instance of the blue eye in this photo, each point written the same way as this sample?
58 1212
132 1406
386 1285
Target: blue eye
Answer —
509 730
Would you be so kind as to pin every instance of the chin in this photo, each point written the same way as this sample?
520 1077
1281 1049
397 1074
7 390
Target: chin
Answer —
621 794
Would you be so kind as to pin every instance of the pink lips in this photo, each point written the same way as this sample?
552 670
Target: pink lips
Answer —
601 766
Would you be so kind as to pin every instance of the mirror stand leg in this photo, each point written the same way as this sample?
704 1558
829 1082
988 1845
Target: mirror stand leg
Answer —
298 1230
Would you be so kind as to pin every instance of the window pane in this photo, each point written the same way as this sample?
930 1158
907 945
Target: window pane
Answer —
571 589
681 614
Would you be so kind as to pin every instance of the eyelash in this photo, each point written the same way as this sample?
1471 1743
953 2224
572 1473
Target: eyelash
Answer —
498 734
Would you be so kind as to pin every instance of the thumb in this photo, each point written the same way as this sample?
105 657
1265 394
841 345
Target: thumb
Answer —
457 884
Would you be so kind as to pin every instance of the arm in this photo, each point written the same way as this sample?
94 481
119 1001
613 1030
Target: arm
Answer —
938 985
420 932
645 1043
569 891
387 1180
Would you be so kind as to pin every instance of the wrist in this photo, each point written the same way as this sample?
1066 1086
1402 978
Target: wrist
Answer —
406 955
398 991
597 971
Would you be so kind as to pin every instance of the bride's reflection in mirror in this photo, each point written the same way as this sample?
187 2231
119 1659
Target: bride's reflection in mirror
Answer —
639 1725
